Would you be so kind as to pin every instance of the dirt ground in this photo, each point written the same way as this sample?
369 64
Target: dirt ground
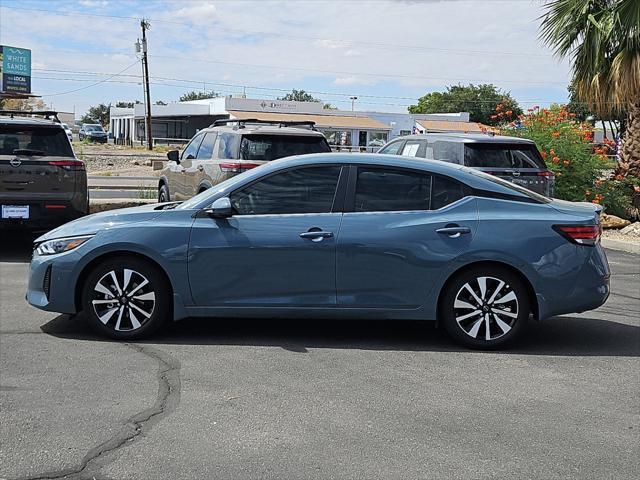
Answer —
118 160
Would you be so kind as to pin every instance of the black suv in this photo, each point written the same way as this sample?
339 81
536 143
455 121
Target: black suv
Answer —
514 159
42 183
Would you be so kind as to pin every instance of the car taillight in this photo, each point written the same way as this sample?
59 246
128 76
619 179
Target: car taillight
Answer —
236 167
545 173
580 234
77 165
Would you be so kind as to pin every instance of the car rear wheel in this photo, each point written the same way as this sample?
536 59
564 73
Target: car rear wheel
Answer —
163 194
126 298
485 307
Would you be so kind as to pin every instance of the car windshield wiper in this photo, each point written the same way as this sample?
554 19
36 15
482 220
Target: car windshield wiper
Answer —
168 206
27 151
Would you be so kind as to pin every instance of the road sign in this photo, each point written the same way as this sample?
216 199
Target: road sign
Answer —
15 69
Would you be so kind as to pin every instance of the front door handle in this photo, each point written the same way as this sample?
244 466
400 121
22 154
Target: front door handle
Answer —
316 235
454 231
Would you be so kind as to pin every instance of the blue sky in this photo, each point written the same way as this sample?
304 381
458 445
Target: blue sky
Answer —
386 52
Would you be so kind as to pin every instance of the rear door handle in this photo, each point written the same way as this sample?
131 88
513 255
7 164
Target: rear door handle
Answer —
454 232
317 235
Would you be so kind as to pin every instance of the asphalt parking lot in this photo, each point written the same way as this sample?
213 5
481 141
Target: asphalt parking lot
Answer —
318 399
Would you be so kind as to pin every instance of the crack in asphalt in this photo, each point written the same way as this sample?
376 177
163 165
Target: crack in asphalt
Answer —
166 402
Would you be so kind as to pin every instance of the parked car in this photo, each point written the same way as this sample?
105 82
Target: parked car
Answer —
42 183
230 147
332 235
514 159
92 132
68 131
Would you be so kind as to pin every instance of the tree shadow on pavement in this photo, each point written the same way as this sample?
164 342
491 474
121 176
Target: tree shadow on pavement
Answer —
563 336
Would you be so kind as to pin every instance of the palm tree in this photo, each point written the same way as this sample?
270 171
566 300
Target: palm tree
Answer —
602 37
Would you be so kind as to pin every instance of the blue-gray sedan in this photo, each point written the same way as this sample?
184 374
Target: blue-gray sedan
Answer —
332 235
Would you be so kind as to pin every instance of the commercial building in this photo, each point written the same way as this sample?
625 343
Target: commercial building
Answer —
178 122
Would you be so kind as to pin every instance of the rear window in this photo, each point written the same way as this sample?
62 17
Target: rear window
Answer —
481 155
511 186
34 140
272 147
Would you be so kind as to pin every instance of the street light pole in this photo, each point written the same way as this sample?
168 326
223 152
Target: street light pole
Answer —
353 100
145 62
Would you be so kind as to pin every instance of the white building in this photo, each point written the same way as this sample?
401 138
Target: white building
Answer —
178 122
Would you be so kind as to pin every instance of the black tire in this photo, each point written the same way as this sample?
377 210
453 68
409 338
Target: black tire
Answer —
163 194
499 299
138 310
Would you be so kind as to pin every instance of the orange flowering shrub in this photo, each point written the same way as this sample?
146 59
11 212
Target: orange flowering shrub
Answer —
565 146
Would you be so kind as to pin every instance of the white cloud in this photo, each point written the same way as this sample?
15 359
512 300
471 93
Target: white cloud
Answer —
351 80
329 44
198 14
93 3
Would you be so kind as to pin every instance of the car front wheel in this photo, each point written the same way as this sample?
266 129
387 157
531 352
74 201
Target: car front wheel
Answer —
485 307
126 298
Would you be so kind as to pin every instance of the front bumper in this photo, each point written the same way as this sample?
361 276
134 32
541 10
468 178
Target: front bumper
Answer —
57 293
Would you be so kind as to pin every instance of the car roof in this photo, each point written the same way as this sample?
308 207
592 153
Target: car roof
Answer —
264 129
466 138
16 120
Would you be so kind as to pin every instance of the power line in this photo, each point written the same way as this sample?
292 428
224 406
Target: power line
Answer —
92 85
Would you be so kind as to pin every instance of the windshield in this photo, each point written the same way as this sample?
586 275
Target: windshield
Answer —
34 140
272 147
498 155
509 185
93 128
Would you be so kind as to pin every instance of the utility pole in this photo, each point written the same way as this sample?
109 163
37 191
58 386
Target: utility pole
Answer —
145 63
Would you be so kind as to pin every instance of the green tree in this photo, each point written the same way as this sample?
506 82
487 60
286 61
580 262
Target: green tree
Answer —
479 100
160 102
602 38
195 95
98 114
127 104
580 109
299 96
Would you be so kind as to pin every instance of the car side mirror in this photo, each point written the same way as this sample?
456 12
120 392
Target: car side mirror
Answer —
221 208
174 155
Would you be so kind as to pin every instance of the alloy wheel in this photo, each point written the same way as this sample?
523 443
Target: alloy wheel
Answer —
123 299
486 308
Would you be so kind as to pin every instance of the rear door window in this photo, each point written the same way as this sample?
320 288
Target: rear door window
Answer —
479 155
35 141
414 148
445 191
272 147
391 190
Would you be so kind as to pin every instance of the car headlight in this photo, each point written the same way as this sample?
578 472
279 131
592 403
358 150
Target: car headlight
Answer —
59 245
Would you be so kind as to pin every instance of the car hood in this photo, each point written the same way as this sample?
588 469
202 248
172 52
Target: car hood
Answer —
102 221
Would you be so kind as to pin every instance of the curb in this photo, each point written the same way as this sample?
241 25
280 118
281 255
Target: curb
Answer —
621 245
104 204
